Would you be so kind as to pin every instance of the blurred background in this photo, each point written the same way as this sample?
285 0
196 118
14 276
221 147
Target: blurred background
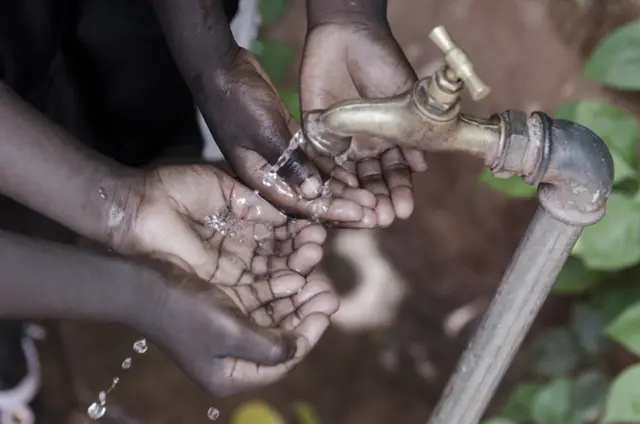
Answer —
413 294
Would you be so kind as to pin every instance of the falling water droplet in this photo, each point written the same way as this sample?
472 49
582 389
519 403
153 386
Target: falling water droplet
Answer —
126 364
103 192
96 411
140 346
102 397
213 413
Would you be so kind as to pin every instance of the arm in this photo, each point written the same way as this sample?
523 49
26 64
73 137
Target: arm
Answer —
53 281
238 102
341 11
45 168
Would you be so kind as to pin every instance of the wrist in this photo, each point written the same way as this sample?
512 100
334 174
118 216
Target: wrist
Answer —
120 194
148 293
361 12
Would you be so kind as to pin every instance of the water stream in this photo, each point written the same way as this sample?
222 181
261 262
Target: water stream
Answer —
229 224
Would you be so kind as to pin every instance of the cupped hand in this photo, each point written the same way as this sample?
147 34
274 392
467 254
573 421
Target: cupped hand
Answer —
244 285
344 60
253 127
197 213
239 334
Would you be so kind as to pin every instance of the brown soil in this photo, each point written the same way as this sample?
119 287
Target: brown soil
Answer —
463 235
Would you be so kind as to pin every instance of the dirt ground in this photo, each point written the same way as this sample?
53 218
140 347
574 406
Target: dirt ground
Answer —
462 236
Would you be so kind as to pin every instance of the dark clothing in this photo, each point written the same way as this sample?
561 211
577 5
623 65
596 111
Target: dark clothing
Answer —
102 70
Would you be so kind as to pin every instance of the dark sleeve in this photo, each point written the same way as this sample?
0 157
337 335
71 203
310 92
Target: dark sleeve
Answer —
54 281
30 35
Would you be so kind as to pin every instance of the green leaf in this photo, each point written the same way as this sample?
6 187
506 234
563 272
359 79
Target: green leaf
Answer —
613 298
275 58
618 128
625 329
256 412
552 404
498 420
518 405
613 243
272 10
623 399
306 413
616 59
589 393
555 353
588 326
292 100
575 278
513 186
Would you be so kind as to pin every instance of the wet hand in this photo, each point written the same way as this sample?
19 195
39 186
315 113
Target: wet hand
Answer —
198 213
345 60
253 128
248 328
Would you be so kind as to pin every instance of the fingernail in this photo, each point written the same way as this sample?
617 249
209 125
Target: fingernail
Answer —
311 187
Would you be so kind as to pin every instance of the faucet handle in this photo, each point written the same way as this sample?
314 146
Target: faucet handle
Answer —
459 63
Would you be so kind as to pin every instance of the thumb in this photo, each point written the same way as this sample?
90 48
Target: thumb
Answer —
251 115
299 171
264 346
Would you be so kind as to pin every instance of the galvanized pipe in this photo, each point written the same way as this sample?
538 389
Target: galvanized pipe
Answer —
571 165
539 258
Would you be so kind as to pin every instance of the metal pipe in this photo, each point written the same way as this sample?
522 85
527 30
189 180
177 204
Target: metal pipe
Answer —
524 288
407 118
571 165
427 116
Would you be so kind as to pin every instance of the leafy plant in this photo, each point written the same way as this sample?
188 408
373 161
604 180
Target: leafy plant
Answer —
603 270
276 57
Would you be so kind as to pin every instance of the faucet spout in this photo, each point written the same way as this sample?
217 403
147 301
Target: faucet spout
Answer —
411 119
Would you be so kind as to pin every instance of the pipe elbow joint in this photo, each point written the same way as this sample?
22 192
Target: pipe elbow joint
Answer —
579 176
571 165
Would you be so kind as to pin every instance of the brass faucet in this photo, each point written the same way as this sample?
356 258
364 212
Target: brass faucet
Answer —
570 164
427 116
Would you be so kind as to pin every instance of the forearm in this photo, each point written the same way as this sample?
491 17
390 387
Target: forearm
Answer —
239 105
341 11
54 281
199 38
43 167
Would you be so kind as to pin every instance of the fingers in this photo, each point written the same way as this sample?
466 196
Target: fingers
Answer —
255 296
316 296
344 173
416 159
305 314
397 175
260 345
300 172
371 178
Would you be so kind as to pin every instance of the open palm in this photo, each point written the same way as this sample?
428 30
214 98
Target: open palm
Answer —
207 222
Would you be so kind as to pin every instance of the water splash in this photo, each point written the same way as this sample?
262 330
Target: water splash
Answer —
340 160
213 413
225 222
272 174
229 224
96 411
141 346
